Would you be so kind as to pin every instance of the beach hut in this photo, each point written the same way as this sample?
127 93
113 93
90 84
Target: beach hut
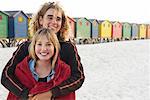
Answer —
3 24
99 27
72 23
83 30
135 30
148 31
18 24
106 30
117 31
94 30
126 33
142 31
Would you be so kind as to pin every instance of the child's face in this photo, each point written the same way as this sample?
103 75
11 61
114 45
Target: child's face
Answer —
44 49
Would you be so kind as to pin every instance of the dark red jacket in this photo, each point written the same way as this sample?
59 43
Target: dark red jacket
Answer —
23 73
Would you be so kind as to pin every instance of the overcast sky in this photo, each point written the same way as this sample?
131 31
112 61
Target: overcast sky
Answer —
133 11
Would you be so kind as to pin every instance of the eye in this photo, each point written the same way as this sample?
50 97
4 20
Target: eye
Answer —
39 44
48 44
58 19
50 17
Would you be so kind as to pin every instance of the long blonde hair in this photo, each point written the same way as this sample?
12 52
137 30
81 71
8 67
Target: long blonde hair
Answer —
35 24
51 37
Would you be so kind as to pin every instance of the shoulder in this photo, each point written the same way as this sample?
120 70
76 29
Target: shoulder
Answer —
67 45
25 60
68 51
61 65
24 63
21 52
25 44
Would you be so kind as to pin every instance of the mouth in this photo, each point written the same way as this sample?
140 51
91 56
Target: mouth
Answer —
52 27
44 54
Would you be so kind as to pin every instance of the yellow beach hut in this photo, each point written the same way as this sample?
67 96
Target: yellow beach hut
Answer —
106 30
142 31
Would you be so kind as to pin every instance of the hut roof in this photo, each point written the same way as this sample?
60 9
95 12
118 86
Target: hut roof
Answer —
14 13
4 13
29 15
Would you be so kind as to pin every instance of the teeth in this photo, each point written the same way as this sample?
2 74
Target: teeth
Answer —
43 54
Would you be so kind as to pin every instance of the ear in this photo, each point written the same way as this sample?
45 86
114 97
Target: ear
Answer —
41 20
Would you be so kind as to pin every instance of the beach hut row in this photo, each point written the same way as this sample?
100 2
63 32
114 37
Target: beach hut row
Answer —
93 30
14 27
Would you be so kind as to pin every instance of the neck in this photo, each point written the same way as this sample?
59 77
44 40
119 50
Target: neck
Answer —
44 64
43 68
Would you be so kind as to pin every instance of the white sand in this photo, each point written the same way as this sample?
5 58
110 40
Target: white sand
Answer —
113 71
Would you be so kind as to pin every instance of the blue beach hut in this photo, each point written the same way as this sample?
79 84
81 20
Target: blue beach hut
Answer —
18 24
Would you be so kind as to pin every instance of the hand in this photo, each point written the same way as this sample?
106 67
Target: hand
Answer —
42 96
30 97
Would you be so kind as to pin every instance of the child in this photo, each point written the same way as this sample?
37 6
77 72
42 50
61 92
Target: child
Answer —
42 69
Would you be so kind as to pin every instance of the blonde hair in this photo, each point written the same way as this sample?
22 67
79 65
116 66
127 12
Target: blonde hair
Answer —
51 37
35 25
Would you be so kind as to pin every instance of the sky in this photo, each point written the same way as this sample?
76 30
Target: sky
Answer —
132 11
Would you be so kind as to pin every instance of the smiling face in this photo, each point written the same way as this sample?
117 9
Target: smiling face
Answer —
52 19
44 49
44 46
52 16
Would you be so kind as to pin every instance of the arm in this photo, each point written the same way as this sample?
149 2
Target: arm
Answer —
70 55
8 78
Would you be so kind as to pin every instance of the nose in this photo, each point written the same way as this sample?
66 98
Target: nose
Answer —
44 48
54 21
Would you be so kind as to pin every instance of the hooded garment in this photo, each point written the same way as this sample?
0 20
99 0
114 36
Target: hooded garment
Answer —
23 73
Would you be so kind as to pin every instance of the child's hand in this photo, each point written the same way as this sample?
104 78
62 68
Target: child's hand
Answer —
30 97
42 96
